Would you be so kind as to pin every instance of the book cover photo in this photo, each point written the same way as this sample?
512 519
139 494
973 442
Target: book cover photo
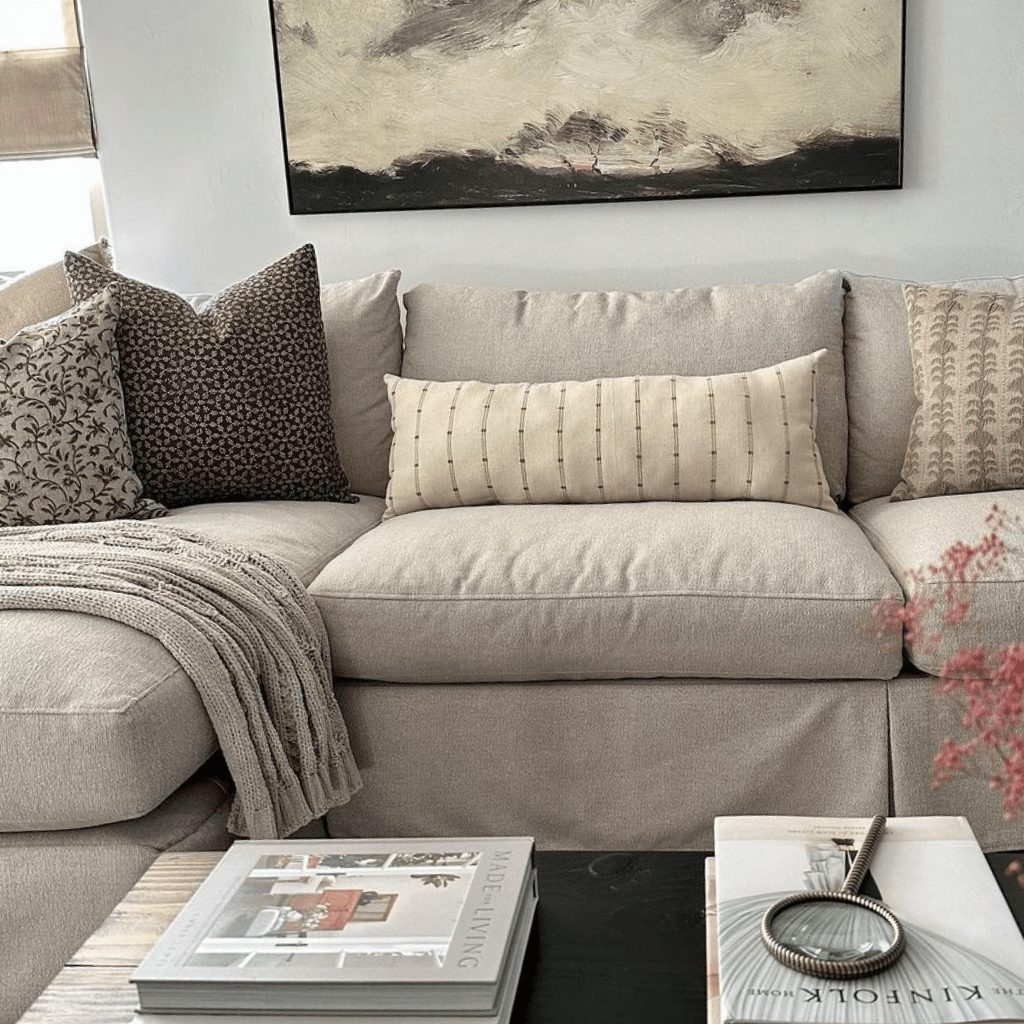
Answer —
964 957
392 915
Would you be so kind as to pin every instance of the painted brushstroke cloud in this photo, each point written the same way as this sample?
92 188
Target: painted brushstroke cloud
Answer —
666 83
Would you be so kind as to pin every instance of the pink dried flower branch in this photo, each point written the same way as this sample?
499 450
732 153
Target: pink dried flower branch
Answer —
988 684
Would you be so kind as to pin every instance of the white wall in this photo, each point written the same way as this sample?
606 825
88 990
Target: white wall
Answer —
191 153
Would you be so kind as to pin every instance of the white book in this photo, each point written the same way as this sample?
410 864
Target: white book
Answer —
506 999
964 958
376 927
711 942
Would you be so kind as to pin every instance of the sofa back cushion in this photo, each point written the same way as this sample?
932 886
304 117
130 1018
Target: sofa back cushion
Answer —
503 335
42 294
880 377
363 331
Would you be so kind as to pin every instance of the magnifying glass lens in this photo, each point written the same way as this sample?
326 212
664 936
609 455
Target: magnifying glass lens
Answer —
832 931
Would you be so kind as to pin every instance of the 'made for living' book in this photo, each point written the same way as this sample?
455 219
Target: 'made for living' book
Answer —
506 997
374 926
964 958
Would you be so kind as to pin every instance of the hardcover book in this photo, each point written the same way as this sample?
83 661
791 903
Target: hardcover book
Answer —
711 942
964 957
375 927
506 996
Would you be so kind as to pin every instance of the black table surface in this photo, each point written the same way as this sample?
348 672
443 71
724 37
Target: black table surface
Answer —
619 938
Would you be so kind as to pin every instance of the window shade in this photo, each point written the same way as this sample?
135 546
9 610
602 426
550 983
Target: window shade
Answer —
44 93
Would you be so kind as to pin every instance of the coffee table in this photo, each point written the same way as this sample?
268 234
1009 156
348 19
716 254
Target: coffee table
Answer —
619 937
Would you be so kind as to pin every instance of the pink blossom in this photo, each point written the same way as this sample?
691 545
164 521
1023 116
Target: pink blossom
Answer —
988 685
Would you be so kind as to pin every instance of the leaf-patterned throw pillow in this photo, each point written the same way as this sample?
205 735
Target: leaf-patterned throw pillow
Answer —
968 431
64 451
231 403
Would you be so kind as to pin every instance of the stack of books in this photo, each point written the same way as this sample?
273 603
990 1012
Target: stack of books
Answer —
964 957
380 931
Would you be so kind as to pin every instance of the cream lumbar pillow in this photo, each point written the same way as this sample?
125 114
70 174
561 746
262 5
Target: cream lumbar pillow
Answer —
666 438
968 431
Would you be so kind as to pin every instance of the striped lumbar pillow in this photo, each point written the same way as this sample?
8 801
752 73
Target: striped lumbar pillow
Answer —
736 435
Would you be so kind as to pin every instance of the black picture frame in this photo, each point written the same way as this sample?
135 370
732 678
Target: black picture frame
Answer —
440 104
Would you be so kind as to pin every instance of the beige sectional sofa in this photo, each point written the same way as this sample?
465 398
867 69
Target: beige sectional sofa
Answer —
599 676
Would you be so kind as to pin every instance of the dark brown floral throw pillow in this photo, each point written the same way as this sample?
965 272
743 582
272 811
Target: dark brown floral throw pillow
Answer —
64 452
233 402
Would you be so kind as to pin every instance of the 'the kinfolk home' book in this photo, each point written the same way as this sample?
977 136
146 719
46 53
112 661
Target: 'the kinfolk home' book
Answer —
370 927
964 957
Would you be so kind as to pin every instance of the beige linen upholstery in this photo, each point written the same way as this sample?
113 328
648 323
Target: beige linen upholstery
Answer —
304 535
503 335
743 435
363 331
919 719
119 726
879 377
41 294
507 592
968 431
911 535
620 765
56 888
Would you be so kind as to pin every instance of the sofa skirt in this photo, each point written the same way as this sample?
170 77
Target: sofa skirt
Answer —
57 887
919 720
631 764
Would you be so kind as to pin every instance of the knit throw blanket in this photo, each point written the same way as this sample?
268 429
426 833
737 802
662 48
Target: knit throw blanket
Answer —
239 623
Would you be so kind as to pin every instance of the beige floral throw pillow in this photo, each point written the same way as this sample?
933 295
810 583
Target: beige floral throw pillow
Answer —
968 431
64 451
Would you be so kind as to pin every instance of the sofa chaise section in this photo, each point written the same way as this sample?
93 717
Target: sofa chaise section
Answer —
109 755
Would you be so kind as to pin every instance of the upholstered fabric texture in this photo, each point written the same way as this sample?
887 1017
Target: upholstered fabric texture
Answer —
743 435
303 535
41 294
503 335
119 726
114 728
879 377
611 764
913 535
919 720
232 403
64 451
968 431
726 590
363 330
84 873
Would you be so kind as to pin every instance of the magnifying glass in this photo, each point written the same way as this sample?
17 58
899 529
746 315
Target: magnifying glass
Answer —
836 933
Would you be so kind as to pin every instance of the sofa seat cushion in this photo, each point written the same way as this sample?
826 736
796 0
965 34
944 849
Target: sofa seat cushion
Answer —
912 535
99 722
303 535
730 590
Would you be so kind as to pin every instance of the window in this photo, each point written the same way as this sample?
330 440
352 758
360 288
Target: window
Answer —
49 176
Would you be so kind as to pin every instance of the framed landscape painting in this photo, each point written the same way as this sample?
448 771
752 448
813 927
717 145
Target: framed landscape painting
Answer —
415 104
